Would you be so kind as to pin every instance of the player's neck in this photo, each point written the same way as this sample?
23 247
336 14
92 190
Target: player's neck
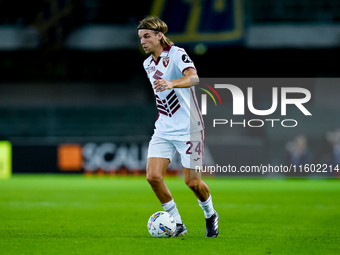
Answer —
157 53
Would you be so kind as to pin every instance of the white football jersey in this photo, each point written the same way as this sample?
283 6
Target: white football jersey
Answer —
179 114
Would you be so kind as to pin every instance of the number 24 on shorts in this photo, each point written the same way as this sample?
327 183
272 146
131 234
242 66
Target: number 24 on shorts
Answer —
198 148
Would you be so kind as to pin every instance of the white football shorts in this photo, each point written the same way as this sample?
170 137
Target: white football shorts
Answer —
191 150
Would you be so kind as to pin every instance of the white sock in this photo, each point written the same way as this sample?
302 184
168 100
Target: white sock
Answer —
207 207
171 208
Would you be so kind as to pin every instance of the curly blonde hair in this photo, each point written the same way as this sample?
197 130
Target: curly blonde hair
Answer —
157 25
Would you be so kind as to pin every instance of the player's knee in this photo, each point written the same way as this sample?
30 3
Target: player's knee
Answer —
154 178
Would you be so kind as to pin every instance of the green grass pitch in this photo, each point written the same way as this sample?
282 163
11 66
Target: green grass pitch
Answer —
63 214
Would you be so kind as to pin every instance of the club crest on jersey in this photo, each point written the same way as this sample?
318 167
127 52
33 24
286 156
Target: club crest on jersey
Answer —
166 61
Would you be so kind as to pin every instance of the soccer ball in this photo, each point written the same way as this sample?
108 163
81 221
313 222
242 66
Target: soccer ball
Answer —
161 224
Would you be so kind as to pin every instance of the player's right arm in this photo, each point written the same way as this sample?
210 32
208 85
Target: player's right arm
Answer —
189 79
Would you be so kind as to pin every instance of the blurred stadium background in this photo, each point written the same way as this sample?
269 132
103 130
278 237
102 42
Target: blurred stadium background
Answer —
74 96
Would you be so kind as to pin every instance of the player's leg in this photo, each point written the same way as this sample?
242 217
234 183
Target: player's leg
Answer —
201 190
155 172
193 180
159 154
191 157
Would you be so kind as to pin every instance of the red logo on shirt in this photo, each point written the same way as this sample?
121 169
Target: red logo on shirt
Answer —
166 61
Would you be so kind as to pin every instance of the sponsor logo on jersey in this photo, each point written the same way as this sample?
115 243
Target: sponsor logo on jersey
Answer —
151 69
186 59
158 75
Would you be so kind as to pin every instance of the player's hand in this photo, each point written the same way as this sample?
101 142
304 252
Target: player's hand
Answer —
161 85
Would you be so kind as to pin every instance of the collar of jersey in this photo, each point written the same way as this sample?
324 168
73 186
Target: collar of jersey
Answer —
164 53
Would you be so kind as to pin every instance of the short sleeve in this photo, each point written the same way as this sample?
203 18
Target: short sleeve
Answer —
183 61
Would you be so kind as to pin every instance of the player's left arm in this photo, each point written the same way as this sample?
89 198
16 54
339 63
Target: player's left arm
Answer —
189 79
